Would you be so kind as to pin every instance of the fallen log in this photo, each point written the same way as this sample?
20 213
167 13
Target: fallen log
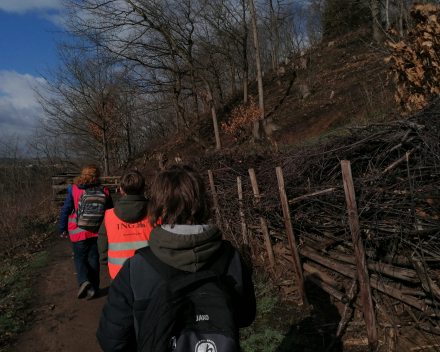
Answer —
323 276
311 270
350 271
413 292
427 283
402 260
398 273
327 288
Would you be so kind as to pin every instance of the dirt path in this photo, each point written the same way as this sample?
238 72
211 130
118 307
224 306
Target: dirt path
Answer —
62 322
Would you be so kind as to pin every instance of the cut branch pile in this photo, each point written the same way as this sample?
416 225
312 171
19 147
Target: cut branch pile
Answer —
396 173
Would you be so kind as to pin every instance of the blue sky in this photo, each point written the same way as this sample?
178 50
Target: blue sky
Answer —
27 48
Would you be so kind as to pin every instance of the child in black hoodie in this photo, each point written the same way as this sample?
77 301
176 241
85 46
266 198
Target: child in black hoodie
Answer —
184 241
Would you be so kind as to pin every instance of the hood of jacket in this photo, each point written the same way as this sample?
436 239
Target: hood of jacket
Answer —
89 185
131 208
189 251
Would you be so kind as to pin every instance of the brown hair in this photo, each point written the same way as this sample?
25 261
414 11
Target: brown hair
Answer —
132 182
178 197
90 174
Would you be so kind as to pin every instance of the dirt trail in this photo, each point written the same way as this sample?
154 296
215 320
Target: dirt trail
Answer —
62 322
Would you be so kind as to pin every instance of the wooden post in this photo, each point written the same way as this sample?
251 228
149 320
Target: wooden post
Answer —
262 220
215 197
240 205
291 236
363 277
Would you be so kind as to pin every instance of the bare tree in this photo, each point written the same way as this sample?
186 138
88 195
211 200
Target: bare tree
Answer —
141 31
257 131
79 100
228 20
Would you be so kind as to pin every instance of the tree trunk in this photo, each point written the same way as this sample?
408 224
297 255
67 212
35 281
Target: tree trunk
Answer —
218 144
401 14
245 57
217 81
258 131
387 14
180 116
105 152
378 35
275 37
231 81
129 146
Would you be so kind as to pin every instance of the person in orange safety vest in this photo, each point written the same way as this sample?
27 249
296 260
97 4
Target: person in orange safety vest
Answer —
125 228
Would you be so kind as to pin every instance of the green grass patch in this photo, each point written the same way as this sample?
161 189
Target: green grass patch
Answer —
265 334
264 341
337 132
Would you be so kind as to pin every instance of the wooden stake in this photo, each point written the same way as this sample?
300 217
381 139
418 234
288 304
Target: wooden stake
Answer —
363 277
262 220
240 206
291 236
215 197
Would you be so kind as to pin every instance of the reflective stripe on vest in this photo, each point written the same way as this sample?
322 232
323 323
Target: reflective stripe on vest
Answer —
124 246
123 239
117 261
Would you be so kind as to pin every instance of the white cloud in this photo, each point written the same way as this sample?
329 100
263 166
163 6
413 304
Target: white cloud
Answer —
22 6
18 107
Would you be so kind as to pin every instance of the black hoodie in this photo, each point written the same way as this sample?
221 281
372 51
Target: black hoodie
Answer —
137 281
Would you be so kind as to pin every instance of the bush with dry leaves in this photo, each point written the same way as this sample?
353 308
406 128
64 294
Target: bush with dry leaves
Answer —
240 123
415 64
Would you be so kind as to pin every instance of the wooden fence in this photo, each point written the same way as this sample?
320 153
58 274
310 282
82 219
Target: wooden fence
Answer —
61 182
302 270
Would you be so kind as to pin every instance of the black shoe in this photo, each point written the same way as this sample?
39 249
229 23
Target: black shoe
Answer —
83 288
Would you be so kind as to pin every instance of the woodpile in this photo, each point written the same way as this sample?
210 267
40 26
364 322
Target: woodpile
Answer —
395 169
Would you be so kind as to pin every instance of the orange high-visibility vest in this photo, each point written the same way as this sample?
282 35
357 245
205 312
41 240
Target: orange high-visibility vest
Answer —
123 239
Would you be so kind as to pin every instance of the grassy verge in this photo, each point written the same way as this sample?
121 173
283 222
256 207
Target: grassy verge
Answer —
18 269
273 318
283 326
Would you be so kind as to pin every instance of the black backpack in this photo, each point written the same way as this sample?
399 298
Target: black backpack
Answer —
190 311
91 208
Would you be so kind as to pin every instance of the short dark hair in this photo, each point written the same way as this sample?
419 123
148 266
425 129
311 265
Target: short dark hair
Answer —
132 182
178 197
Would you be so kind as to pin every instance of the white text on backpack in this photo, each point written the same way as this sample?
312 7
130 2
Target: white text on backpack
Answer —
202 317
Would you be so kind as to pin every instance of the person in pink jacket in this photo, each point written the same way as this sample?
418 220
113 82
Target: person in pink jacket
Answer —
84 242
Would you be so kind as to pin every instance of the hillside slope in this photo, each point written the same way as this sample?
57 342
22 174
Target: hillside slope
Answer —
396 181
345 79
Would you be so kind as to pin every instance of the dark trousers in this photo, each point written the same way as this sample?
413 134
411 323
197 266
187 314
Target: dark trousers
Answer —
86 259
